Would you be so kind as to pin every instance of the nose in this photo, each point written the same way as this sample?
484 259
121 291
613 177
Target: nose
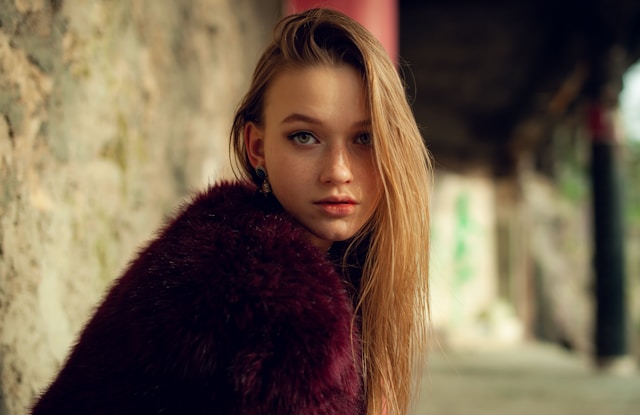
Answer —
336 165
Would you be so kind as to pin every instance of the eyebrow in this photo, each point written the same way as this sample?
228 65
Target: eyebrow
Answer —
300 117
294 117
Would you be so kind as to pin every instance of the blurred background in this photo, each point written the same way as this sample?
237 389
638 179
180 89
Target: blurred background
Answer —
112 113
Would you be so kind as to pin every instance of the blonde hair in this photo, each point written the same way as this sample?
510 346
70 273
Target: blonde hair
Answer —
393 298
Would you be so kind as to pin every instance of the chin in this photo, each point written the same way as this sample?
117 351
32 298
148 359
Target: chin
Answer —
332 237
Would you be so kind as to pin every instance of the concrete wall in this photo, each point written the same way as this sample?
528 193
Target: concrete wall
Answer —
110 113
466 308
510 262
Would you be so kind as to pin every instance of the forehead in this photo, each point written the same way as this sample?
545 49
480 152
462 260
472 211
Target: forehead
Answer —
321 90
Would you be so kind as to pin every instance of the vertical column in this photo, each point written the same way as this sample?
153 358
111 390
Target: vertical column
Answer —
606 66
380 17
609 259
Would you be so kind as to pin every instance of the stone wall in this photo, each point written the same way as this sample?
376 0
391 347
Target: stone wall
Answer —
110 113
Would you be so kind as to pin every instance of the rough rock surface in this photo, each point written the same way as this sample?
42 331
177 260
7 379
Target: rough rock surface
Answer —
110 112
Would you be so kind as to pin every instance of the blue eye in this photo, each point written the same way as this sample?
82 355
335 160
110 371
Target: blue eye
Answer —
303 137
364 138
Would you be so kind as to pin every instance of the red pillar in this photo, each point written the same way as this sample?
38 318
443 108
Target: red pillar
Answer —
380 17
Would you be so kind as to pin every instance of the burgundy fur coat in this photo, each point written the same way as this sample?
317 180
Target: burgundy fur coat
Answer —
228 311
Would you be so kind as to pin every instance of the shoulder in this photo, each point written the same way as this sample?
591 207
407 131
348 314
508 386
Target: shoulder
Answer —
225 248
229 209
230 224
226 255
241 286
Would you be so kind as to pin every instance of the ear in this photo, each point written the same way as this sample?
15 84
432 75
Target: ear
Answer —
254 143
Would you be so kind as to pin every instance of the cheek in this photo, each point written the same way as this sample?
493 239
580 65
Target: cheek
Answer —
370 178
289 177
276 161
375 189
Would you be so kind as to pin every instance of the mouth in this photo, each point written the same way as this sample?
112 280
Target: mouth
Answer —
337 206
336 201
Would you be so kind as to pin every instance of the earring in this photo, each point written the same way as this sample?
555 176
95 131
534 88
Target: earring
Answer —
262 173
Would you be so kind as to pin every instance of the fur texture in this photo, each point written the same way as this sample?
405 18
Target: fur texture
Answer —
228 311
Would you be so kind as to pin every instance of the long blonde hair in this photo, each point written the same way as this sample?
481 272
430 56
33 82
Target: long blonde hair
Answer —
393 298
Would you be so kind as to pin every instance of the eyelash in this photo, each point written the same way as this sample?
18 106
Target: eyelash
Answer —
298 134
358 139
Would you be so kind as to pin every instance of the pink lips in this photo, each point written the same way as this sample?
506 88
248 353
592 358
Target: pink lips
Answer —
337 206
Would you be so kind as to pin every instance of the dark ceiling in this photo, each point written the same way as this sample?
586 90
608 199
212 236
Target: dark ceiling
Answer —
478 70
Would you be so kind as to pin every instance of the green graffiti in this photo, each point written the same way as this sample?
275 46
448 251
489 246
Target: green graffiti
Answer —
464 270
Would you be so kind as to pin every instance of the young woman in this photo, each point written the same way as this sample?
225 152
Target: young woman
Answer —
302 287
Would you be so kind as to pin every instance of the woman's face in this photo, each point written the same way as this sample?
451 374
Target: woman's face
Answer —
315 143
